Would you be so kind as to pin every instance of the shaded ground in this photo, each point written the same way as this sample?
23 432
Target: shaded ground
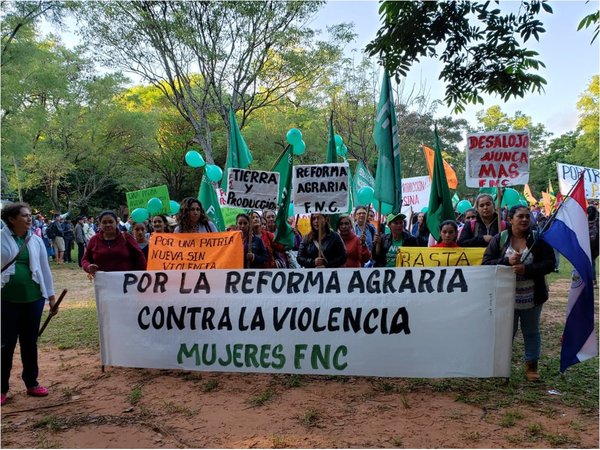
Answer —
140 408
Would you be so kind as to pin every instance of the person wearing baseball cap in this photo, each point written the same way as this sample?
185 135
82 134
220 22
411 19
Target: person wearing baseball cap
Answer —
385 248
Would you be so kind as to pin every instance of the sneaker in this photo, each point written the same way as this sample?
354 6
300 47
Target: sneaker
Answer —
3 399
37 391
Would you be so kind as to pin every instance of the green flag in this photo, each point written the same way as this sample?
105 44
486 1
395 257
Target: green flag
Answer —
331 153
284 234
238 156
388 178
455 200
362 177
210 203
440 200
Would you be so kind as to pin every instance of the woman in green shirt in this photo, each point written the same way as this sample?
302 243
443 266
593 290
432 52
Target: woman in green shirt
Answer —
26 284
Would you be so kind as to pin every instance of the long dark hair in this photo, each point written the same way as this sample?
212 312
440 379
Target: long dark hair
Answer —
183 216
326 228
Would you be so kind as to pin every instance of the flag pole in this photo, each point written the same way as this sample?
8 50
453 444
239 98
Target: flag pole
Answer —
379 223
320 239
499 209
550 219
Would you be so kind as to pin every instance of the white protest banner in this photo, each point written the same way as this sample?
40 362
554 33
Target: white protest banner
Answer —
392 322
497 159
252 189
415 192
568 175
320 189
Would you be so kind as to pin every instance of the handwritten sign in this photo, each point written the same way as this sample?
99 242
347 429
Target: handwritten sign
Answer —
416 192
320 189
252 189
568 175
139 199
199 251
438 322
439 256
497 159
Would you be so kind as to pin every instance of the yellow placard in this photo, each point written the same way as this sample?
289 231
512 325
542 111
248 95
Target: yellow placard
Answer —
199 251
439 256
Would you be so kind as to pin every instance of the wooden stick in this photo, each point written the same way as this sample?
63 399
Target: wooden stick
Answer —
499 210
320 238
379 226
41 407
52 311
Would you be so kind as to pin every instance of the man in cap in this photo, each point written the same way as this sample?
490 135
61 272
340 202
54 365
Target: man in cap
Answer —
385 248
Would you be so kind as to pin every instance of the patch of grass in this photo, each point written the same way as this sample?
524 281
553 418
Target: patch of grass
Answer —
293 381
191 376
279 441
535 430
405 402
559 440
576 425
396 441
210 385
46 442
51 423
383 386
73 327
564 271
510 418
172 408
135 395
472 436
261 398
310 418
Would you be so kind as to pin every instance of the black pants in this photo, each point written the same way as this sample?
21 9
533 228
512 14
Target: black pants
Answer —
21 321
80 251
68 250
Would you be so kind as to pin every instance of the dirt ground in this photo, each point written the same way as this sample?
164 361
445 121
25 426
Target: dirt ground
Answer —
140 408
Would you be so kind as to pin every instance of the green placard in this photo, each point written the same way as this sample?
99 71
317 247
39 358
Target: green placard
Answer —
139 199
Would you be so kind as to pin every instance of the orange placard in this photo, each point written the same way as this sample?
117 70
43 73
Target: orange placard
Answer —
196 251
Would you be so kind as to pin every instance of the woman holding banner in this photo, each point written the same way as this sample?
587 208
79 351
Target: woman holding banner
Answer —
321 247
531 263
357 252
26 284
255 253
479 232
385 249
111 250
192 218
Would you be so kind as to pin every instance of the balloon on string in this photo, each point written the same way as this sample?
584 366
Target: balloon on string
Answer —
294 136
524 203
341 150
463 205
174 207
194 159
365 195
140 215
154 205
338 140
425 209
214 173
386 208
299 148
510 197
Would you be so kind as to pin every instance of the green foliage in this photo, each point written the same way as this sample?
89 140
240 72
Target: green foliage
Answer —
586 150
481 54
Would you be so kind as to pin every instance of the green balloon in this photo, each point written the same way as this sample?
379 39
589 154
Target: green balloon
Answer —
463 205
510 197
140 215
154 205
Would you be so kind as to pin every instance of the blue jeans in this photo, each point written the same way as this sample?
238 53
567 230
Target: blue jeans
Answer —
530 327
21 321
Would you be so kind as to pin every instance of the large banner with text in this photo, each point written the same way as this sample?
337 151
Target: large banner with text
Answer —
392 322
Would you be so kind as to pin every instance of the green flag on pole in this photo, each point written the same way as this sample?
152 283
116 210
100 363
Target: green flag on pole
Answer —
238 156
284 234
210 202
440 200
388 178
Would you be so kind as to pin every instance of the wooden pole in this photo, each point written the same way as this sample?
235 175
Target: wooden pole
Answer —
320 238
499 210
379 226
52 311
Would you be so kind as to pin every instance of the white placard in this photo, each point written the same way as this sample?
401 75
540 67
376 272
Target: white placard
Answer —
497 159
416 192
568 175
320 189
393 322
252 189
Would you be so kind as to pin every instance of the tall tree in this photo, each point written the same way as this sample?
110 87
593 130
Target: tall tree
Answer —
249 55
482 46
586 150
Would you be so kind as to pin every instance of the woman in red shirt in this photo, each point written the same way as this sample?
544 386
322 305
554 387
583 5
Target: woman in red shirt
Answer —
110 250
357 251
448 234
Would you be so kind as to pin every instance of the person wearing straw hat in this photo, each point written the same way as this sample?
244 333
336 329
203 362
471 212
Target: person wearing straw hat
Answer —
385 248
